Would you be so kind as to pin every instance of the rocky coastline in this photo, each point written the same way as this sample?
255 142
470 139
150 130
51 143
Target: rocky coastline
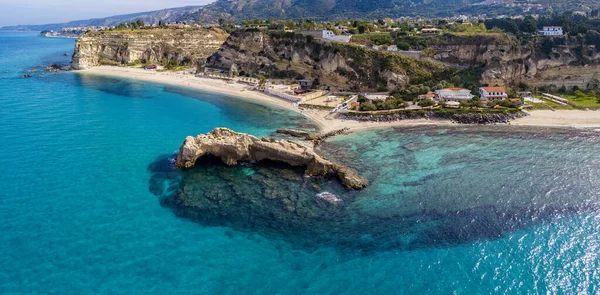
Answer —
233 147
456 117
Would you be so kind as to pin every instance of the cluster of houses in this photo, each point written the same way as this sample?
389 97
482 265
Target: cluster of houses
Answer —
453 96
85 29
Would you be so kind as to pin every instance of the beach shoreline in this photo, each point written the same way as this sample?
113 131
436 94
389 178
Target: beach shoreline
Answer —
321 118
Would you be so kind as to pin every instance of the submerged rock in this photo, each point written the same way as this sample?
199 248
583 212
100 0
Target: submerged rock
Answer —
233 147
326 199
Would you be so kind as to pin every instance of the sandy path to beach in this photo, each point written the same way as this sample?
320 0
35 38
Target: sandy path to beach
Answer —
325 123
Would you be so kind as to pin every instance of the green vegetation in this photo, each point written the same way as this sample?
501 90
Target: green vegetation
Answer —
391 103
581 99
107 62
315 106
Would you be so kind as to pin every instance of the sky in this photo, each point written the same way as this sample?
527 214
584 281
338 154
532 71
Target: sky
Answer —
32 12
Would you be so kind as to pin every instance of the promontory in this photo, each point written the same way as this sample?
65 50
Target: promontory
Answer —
233 147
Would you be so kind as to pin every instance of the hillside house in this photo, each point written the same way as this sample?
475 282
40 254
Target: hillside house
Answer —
429 95
493 93
431 31
552 31
327 35
453 94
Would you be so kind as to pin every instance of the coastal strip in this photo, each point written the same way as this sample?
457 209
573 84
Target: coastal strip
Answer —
321 118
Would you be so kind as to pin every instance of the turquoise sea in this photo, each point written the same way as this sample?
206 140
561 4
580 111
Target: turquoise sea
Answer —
90 202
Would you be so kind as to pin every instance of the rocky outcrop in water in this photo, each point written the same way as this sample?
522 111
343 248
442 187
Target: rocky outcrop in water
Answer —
233 147
186 46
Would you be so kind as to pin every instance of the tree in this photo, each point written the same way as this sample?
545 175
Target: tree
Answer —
426 103
547 46
362 29
140 23
262 81
221 21
579 94
562 89
593 38
429 52
529 24
367 106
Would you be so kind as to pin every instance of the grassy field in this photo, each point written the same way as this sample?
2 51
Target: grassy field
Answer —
586 101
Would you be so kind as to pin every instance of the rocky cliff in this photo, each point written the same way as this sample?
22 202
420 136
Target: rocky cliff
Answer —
342 66
232 147
507 60
186 46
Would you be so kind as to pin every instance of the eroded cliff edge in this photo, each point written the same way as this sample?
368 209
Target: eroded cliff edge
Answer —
186 46
233 147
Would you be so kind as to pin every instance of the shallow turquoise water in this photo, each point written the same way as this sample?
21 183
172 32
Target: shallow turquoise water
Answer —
456 210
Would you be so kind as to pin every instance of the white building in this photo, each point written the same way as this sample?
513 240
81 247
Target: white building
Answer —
373 97
493 93
453 94
392 48
552 31
327 35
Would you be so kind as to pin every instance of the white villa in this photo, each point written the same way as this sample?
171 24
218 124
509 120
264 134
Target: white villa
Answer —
373 97
327 35
431 31
493 93
552 31
453 94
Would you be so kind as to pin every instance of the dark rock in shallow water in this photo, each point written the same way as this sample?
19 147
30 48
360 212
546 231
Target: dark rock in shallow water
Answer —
326 199
259 199
232 147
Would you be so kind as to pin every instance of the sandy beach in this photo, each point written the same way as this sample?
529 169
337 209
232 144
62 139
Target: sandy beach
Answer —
324 122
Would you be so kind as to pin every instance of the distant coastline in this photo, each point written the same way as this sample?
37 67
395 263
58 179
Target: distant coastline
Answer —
321 118
61 34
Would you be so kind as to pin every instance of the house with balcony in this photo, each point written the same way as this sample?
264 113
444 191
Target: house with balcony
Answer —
552 31
492 93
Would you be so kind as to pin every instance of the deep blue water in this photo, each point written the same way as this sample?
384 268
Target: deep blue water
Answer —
89 202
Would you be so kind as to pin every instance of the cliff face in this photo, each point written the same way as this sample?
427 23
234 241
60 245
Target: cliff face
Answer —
184 46
342 66
508 61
